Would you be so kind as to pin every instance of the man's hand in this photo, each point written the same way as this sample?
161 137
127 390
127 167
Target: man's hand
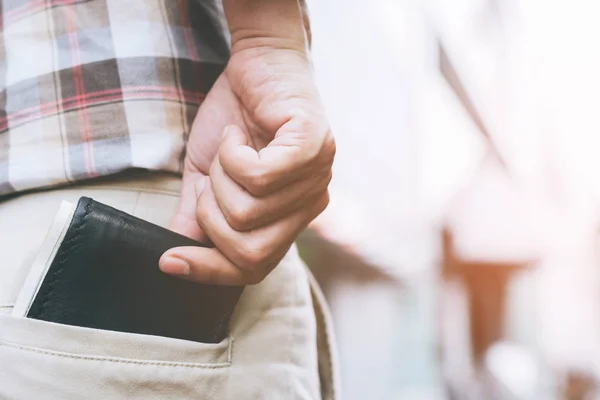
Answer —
257 168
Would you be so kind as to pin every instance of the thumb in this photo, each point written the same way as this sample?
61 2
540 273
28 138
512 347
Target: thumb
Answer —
184 221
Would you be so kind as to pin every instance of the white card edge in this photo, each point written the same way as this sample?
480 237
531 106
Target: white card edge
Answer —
43 259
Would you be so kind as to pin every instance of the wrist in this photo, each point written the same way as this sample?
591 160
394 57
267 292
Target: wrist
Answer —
267 24
269 47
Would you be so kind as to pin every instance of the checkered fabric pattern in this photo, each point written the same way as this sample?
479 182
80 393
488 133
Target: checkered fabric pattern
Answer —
92 87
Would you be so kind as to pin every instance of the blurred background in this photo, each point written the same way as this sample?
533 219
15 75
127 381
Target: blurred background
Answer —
461 250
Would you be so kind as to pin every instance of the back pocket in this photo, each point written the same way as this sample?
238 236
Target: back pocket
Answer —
39 359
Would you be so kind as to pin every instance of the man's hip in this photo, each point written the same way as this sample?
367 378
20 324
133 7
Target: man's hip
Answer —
280 342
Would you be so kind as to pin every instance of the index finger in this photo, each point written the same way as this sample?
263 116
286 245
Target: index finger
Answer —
292 154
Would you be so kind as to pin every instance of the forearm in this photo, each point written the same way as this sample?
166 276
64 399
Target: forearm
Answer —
268 23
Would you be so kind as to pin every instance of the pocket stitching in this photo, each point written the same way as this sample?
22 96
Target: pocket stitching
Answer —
125 360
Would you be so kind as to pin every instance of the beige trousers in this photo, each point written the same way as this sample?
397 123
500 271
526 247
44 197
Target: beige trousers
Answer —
280 343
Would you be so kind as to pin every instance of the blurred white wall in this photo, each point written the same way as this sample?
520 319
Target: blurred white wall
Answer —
369 61
365 59
407 148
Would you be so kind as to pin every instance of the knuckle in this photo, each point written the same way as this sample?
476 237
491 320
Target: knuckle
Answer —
328 177
201 210
321 204
255 258
258 274
258 182
326 200
306 124
254 255
241 216
329 148
321 185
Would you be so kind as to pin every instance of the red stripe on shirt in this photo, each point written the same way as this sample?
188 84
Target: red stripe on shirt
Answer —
82 112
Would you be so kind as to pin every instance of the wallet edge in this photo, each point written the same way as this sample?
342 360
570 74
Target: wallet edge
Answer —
43 259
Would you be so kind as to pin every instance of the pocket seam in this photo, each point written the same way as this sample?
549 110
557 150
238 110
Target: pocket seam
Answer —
89 357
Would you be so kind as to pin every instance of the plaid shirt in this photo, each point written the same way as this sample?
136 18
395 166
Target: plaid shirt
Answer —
93 87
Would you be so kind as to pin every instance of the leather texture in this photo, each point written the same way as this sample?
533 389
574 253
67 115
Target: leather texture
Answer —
105 276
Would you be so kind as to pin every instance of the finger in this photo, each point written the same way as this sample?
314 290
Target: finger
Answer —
204 265
259 249
245 212
184 221
299 148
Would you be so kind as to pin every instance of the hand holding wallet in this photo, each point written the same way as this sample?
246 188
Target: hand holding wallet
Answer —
100 270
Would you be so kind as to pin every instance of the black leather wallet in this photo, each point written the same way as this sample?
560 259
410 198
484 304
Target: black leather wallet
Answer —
105 275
